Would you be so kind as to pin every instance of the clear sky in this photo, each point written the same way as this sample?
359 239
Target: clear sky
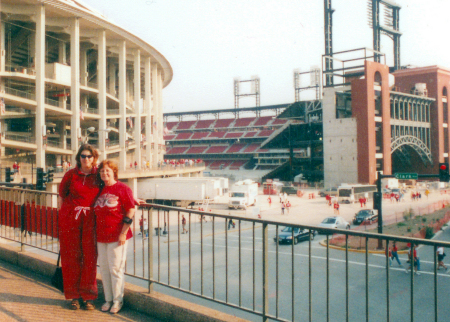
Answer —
210 42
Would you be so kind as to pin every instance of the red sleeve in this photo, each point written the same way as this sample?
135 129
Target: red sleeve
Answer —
127 199
64 186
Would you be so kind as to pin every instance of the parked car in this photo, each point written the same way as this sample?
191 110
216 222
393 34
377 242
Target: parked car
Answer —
334 222
285 235
329 191
289 190
365 215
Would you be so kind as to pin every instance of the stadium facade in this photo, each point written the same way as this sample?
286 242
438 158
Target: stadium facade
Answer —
68 76
373 119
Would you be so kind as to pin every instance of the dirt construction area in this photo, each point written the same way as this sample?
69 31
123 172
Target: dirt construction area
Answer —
308 211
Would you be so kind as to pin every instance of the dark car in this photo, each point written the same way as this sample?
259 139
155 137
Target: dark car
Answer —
285 235
289 190
365 215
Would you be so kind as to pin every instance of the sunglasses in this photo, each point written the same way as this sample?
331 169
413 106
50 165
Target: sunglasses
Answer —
84 156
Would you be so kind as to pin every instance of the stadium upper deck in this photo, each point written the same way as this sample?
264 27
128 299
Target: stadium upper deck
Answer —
232 143
68 75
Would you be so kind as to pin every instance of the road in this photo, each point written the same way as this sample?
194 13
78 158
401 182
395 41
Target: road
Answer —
293 264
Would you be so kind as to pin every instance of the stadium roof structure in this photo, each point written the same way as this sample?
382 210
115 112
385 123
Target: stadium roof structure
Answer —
257 110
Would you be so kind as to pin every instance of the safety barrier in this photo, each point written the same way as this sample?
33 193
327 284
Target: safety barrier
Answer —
247 267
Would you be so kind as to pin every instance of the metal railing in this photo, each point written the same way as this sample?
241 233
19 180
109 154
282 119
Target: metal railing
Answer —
15 92
20 137
243 267
32 97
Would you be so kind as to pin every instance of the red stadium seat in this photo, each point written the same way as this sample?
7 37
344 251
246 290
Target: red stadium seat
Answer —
217 149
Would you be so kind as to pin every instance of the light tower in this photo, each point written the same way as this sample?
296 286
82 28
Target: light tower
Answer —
314 76
390 27
254 91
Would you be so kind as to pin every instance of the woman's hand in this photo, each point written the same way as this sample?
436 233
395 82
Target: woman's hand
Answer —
122 239
139 201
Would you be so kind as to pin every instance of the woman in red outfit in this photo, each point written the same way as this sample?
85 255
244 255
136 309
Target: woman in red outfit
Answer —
78 191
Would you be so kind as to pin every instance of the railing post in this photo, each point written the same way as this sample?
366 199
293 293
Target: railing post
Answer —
265 262
22 226
150 249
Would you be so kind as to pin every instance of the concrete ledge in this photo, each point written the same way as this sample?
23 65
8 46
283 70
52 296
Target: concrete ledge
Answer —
158 305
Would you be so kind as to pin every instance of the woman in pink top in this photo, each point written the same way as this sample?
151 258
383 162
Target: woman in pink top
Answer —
114 210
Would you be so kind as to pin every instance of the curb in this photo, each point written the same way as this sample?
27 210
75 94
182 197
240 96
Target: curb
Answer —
324 244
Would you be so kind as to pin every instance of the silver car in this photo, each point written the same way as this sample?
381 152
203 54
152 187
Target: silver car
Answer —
334 222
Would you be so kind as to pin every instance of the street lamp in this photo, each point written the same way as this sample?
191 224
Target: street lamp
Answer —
88 130
91 129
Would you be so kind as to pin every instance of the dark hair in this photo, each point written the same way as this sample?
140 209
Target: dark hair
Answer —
86 147
112 165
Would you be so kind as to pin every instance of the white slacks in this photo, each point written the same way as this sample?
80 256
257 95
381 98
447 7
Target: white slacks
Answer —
111 258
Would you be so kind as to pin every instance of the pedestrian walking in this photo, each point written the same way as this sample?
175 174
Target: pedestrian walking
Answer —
441 254
269 200
141 226
145 228
394 254
288 206
281 197
414 260
282 208
183 224
231 223
336 208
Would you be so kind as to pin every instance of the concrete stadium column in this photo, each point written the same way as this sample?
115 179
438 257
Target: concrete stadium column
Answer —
2 47
62 59
137 108
112 78
63 134
2 81
155 101
122 105
75 133
148 111
83 67
132 183
161 143
101 76
40 85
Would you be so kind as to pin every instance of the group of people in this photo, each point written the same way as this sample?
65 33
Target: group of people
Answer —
95 218
416 196
413 257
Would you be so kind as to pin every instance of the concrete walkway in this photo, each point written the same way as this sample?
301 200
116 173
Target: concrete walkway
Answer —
26 296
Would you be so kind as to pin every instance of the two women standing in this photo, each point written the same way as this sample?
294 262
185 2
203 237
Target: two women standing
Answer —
82 230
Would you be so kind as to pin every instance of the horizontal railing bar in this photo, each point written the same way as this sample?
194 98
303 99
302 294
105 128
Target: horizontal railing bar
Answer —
332 231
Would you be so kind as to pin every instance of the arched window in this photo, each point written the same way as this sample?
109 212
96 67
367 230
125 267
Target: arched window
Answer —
377 78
